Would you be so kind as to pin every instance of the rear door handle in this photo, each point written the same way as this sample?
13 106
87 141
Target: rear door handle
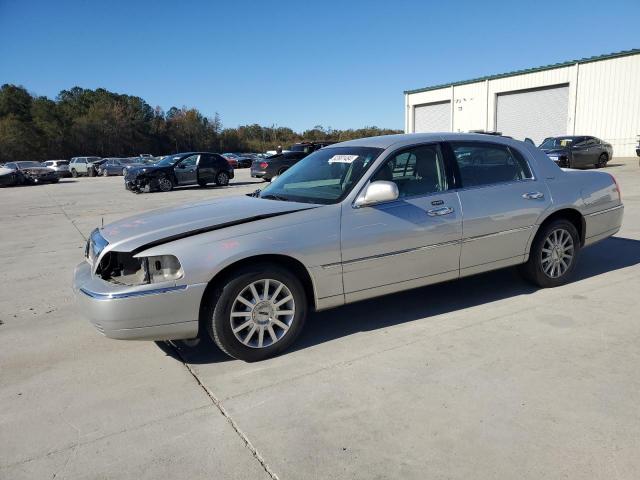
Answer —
533 195
438 212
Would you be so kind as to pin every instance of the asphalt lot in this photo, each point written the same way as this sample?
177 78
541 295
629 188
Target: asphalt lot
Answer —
482 378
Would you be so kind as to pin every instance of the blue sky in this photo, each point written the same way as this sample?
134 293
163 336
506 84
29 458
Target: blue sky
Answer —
340 64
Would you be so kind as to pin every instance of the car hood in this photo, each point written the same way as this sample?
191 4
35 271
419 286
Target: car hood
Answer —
137 169
164 225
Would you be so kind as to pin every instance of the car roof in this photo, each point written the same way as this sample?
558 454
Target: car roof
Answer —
407 139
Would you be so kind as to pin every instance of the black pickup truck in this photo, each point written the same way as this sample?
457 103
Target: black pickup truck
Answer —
191 168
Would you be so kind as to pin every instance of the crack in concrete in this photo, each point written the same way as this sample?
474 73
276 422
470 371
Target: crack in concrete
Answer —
227 417
57 204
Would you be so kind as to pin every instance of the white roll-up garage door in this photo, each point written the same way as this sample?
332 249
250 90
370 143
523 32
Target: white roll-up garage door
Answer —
536 114
432 117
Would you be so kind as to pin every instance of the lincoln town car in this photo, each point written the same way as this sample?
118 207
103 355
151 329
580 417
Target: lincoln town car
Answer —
351 221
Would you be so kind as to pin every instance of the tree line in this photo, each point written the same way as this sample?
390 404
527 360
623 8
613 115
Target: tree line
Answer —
99 122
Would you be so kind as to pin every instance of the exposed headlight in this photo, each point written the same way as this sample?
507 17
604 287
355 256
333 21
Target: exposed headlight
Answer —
123 268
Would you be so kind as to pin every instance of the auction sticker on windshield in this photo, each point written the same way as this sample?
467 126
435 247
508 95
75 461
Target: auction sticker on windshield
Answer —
343 158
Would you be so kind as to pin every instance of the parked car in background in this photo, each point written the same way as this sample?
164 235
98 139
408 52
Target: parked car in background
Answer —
84 166
308 147
577 151
192 168
277 164
10 177
349 222
61 167
34 172
118 166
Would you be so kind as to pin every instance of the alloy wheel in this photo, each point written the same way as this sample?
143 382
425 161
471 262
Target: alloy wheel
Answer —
557 253
223 178
262 313
164 184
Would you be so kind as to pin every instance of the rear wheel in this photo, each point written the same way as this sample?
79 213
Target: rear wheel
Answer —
165 184
257 312
602 161
553 254
222 179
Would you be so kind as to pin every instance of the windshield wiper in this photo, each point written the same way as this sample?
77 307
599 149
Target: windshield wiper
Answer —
271 196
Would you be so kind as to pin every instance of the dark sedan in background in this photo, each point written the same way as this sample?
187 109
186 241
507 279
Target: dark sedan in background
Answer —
118 166
269 167
33 172
192 168
577 151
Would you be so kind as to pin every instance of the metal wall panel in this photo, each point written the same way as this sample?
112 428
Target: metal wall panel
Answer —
535 113
433 117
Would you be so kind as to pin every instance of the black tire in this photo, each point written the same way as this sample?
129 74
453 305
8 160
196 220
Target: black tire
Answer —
91 172
533 269
602 161
74 174
222 179
165 184
219 302
202 184
55 181
281 171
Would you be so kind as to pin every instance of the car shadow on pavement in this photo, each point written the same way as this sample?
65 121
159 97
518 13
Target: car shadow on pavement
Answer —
381 312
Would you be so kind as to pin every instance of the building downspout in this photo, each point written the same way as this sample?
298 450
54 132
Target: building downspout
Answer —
575 101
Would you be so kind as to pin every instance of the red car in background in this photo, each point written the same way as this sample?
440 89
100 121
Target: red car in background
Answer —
232 159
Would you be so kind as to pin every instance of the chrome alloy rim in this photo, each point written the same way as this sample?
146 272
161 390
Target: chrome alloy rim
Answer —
262 313
223 178
557 253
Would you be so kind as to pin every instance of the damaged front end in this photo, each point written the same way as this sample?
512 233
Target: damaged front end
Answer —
125 268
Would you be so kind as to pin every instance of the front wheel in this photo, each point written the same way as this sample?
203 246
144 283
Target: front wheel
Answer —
165 184
105 173
74 174
257 312
222 179
553 255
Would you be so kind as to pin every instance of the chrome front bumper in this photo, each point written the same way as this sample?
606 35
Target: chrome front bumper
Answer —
146 312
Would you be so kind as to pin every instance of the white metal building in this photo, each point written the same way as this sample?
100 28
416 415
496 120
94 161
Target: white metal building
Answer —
597 96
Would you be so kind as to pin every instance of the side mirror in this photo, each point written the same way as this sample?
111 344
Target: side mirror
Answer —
377 192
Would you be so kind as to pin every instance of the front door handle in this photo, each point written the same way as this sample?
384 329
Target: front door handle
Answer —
533 195
437 212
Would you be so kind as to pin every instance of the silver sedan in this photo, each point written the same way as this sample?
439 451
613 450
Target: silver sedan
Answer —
351 221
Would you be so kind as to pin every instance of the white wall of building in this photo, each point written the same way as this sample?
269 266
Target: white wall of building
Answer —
604 100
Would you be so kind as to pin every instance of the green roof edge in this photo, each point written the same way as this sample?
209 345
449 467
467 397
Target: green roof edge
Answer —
624 53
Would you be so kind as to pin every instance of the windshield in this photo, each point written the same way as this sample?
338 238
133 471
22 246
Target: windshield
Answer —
168 161
28 164
557 142
326 176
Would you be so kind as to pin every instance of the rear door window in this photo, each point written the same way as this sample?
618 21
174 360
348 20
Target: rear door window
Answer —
486 164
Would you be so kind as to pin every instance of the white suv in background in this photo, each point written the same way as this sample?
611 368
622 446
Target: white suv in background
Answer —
61 167
83 166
